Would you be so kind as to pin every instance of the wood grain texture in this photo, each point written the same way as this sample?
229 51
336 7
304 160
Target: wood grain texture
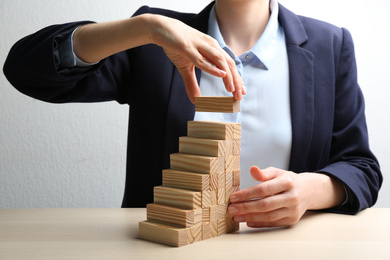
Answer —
180 198
211 130
203 146
169 235
217 104
197 163
186 180
173 216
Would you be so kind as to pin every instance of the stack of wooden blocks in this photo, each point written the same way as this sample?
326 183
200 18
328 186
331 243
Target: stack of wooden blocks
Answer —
191 205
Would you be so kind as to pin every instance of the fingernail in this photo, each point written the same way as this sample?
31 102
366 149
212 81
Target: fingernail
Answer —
243 89
231 87
234 198
232 210
239 94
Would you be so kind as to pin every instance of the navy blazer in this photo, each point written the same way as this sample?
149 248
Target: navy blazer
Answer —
327 106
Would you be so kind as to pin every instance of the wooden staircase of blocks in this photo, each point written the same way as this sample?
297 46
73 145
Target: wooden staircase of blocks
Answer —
191 205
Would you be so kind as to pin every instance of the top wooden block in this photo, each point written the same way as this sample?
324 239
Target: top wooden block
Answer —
217 104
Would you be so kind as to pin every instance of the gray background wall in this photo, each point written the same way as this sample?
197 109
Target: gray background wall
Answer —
73 155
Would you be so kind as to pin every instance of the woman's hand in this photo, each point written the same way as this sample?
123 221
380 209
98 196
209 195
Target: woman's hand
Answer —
188 48
283 197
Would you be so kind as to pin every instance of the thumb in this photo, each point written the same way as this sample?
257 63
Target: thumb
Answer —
257 174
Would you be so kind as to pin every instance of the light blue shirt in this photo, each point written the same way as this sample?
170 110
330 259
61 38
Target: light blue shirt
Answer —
265 117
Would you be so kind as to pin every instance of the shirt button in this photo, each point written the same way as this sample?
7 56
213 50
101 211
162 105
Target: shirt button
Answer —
247 57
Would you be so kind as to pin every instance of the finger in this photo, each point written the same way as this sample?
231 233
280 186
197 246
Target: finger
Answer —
259 205
263 217
190 83
265 189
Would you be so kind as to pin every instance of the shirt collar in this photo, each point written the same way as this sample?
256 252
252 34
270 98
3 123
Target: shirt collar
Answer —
263 51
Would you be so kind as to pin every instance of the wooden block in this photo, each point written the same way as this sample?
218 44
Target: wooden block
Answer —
231 226
197 163
236 178
212 130
222 211
214 213
221 196
180 198
169 235
221 181
236 147
186 180
222 226
214 228
217 104
207 147
228 192
236 131
232 162
229 179
205 215
206 232
173 216
206 200
213 197
214 179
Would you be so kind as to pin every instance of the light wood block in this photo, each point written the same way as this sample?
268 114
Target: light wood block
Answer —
180 198
236 131
206 233
207 147
206 200
236 177
231 226
169 235
173 216
205 215
186 180
236 147
213 197
221 196
232 162
214 213
222 211
197 163
212 130
221 181
222 226
214 179
214 228
217 104
229 179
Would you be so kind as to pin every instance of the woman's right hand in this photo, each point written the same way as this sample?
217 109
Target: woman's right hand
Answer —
188 48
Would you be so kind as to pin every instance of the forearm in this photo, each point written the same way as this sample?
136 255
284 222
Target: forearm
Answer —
94 42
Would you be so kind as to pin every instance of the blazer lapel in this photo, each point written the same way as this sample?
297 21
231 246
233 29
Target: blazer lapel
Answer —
301 88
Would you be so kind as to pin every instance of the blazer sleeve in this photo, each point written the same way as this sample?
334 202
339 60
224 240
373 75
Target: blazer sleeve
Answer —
33 67
351 160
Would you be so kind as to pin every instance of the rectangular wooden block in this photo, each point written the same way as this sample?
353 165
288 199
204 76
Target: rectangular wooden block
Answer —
222 226
231 226
206 234
236 131
186 180
214 213
203 146
169 235
229 179
217 104
221 196
212 130
205 215
236 177
232 162
213 197
236 147
180 198
214 228
206 200
197 163
173 216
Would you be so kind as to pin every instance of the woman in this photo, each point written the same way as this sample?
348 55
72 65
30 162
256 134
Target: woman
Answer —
311 63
